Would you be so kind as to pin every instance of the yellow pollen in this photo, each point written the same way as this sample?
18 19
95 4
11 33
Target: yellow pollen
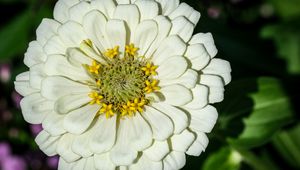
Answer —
150 69
94 68
96 98
151 86
107 110
131 49
112 53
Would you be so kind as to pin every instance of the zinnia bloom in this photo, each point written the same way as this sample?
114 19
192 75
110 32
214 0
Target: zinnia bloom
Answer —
122 84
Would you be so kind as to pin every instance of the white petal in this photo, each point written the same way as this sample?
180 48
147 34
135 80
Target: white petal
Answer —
116 32
200 97
183 28
90 164
77 58
53 123
79 120
171 46
130 14
215 85
140 133
80 164
188 79
198 56
35 108
94 24
148 9
137 137
58 65
168 6
47 143
182 141
176 95
46 30
203 120
23 76
104 134
146 164
179 118
67 32
63 165
34 54
175 160
123 1
70 102
80 145
77 11
55 87
207 40
187 11
145 34
107 7
219 67
64 148
103 162
164 27
199 144
123 153
22 85
161 124
172 68
157 151
37 75
61 9
55 46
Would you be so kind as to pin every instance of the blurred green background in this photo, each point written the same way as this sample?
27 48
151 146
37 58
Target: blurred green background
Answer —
258 126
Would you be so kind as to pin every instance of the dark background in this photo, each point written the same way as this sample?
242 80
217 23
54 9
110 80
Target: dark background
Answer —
258 124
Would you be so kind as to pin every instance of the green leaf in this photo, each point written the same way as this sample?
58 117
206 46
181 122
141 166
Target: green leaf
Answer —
287 144
14 36
287 39
270 111
286 9
224 159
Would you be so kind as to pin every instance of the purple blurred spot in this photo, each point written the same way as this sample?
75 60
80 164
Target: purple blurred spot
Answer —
13 133
5 73
36 129
53 162
16 97
214 12
6 116
13 163
4 151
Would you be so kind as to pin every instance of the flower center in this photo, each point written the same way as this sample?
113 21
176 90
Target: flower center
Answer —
121 81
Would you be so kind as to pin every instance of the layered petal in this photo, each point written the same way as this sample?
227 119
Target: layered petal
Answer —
77 121
35 108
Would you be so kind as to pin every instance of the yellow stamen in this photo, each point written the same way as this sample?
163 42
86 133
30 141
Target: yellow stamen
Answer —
150 69
126 109
96 98
112 53
107 110
98 83
94 68
138 105
131 49
151 86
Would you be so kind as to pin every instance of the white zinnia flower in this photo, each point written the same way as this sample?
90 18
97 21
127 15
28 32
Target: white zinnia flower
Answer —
122 84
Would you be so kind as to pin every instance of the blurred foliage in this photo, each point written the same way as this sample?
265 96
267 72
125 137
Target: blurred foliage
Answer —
258 126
